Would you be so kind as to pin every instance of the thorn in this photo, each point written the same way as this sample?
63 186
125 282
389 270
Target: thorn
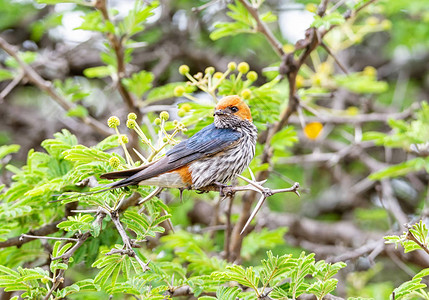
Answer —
254 212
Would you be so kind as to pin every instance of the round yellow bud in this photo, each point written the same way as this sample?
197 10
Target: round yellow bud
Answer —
386 24
372 21
183 69
186 107
370 71
209 70
288 48
131 124
181 113
316 80
179 91
300 81
114 162
157 121
132 116
164 115
175 122
232 66
123 139
311 7
246 93
252 76
113 122
325 68
243 67
165 140
218 75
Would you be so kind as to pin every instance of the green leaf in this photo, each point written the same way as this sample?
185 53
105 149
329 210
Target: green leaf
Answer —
328 20
77 111
99 72
5 74
139 82
8 149
401 169
359 83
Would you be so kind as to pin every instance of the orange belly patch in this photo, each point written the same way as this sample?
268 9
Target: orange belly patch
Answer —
185 175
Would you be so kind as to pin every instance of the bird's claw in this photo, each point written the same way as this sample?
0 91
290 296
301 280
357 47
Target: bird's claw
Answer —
224 190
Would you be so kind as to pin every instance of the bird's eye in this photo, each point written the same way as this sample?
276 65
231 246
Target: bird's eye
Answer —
234 109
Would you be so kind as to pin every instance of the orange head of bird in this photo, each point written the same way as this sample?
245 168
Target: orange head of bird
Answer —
231 112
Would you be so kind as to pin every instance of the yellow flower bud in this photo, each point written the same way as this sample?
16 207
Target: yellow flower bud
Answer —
183 69
370 71
300 81
243 67
131 124
288 48
114 162
246 93
165 140
181 113
232 66
209 70
113 122
123 139
179 91
386 24
372 21
218 75
164 115
157 121
186 107
325 68
175 122
316 80
132 116
252 76
311 7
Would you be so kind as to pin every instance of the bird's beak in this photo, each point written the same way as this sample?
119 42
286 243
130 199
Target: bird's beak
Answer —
219 112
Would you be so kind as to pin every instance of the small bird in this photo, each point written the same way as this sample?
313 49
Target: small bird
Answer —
213 156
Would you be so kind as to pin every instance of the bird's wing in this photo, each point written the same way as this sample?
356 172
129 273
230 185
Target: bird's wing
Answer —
207 142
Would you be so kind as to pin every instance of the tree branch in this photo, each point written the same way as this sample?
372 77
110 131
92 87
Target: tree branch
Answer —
263 28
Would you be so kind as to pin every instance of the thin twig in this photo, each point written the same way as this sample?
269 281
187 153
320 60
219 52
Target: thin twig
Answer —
48 238
11 86
263 28
127 241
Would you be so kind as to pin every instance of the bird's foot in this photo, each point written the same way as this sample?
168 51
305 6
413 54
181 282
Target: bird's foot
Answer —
224 190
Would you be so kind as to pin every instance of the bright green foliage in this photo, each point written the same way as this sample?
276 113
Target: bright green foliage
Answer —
413 288
139 83
57 251
419 231
142 225
411 136
79 223
29 281
244 22
361 83
274 272
328 20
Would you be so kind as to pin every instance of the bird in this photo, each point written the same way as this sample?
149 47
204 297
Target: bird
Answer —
213 156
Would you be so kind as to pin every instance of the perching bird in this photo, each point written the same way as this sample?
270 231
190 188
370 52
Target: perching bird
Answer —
214 155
